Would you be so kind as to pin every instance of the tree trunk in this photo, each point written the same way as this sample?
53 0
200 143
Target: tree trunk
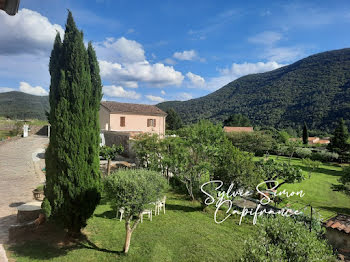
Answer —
108 167
127 239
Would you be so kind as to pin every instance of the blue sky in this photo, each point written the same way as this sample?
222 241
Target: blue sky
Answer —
153 51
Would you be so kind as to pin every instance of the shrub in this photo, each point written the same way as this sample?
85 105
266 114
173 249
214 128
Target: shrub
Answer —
324 156
303 152
284 239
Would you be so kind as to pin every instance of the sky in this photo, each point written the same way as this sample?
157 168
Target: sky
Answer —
155 51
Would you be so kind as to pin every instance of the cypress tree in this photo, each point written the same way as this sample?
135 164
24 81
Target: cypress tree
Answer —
173 120
72 165
305 135
339 141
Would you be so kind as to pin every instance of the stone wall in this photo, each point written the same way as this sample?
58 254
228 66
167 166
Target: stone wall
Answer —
338 239
118 138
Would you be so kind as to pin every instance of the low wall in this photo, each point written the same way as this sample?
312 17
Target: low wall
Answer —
338 239
118 138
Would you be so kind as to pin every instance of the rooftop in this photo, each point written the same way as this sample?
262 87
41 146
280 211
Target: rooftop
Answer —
238 129
116 107
339 222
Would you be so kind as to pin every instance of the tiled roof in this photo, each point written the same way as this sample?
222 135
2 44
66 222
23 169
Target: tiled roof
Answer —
339 222
116 107
238 129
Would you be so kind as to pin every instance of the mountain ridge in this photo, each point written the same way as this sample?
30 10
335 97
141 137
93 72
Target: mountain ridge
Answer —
314 89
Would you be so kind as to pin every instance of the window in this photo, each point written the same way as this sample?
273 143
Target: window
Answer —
122 121
151 122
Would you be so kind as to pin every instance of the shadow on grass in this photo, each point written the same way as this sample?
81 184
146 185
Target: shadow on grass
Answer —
110 214
182 208
338 210
91 245
320 170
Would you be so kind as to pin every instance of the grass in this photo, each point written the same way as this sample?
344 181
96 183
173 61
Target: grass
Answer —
184 233
4 134
319 190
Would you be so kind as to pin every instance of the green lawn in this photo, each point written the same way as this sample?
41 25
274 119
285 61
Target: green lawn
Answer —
318 190
184 233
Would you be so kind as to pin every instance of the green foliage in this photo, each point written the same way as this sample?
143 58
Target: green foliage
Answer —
133 190
314 90
305 135
110 152
173 120
237 120
339 142
18 105
345 180
146 148
312 165
72 157
303 152
283 136
324 156
257 142
284 172
284 239
46 208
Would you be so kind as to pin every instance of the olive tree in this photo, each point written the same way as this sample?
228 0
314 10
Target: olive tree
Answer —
110 152
311 165
133 190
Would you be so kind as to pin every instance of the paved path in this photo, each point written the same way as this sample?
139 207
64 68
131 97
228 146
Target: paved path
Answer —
20 172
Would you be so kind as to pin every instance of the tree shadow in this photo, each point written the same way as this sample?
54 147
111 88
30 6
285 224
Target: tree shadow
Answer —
91 245
110 214
338 210
320 170
175 207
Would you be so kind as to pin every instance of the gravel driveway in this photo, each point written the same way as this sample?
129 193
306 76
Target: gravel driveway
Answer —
21 162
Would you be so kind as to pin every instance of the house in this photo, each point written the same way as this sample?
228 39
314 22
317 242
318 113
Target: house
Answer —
313 140
338 231
132 119
229 129
9 6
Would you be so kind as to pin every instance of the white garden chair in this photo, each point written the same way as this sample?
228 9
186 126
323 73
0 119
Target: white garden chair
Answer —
121 211
146 212
159 205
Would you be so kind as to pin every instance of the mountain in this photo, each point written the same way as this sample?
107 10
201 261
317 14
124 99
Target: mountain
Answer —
18 105
315 89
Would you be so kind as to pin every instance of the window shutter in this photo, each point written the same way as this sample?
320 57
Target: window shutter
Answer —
122 121
154 122
148 124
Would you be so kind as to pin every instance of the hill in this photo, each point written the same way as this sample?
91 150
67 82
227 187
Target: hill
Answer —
18 105
314 89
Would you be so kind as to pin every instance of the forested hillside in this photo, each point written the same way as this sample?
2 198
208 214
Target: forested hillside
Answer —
18 105
315 90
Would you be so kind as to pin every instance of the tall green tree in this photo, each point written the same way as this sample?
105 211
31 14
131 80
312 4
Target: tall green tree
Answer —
339 141
237 120
72 158
173 120
305 135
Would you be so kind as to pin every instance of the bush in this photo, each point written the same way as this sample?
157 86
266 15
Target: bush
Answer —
284 239
324 156
303 152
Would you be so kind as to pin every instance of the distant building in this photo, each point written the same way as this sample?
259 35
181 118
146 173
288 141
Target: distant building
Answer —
132 119
9 6
313 140
338 231
229 129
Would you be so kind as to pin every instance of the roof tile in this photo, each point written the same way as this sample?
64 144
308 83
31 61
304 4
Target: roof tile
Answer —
116 107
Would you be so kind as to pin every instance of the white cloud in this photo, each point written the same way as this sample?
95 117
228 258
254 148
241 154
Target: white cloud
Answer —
184 96
186 55
118 91
123 62
157 74
120 50
170 61
162 92
33 90
196 80
283 54
266 38
157 99
6 89
27 32
227 75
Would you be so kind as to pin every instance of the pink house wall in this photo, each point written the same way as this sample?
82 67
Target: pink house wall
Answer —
133 122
